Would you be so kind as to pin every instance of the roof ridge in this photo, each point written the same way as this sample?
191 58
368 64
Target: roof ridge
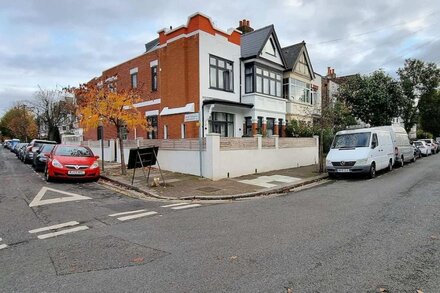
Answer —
300 43
258 30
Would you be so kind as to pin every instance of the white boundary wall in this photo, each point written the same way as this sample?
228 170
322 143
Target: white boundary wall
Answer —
219 163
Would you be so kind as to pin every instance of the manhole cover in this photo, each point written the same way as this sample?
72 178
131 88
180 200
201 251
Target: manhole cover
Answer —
208 189
101 254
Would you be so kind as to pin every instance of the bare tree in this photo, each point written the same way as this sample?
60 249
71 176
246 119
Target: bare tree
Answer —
51 109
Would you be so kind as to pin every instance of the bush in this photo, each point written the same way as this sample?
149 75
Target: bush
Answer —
423 134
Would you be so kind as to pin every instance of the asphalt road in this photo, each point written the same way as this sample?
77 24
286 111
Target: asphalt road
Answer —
350 235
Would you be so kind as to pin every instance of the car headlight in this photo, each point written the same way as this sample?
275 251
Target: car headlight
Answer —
57 164
94 165
362 162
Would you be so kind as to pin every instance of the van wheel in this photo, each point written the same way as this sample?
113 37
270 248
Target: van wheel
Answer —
390 166
372 173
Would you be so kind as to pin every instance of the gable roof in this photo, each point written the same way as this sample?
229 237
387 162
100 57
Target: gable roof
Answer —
291 55
150 45
252 43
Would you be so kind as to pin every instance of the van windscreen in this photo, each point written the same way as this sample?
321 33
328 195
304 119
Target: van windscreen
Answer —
351 140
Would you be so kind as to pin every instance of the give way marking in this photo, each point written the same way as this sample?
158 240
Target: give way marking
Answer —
38 201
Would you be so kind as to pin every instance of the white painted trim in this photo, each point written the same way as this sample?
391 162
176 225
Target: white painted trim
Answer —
153 63
188 108
134 70
167 31
144 104
152 113
180 37
136 216
49 235
3 246
54 227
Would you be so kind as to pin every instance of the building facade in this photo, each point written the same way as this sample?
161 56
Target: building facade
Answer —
198 79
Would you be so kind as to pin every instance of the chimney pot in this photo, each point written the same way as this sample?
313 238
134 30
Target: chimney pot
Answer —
247 23
241 22
329 70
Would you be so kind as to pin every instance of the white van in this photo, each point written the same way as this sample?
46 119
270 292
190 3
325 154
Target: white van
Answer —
403 150
365 150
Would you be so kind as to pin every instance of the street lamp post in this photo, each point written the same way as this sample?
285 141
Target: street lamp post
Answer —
101 135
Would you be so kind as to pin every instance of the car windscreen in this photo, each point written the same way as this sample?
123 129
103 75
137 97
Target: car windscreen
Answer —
73 151
47 148
351 140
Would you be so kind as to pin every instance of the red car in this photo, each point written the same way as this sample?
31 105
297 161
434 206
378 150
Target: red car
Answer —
71 162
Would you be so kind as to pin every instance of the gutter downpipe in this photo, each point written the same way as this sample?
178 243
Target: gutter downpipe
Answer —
201 134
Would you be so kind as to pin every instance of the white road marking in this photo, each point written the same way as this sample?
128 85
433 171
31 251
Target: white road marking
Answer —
186 207
126 213
174 205
58 226
38 201
3 246
136 216
1 239
71 230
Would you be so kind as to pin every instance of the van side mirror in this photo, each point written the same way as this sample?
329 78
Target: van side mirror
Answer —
373 144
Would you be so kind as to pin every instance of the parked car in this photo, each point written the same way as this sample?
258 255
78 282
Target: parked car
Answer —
423 147
13 143
417 152
403 150
430 142
6 143
33 146
15 149
40 158
21 149
71 162
365 150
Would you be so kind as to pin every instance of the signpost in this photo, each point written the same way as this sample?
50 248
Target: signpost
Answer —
141 158
191 117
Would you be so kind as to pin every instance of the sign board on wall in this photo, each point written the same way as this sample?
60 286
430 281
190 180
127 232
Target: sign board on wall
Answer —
191 117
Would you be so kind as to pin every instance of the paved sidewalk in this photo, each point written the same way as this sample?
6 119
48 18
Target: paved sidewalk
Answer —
184 186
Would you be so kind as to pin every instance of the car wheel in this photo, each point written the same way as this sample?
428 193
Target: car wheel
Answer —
390 166
46 175
372 172
402 162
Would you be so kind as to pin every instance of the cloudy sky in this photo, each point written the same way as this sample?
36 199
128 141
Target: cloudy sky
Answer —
56 43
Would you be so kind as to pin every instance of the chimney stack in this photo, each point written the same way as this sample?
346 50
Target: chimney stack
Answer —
331 72
244 26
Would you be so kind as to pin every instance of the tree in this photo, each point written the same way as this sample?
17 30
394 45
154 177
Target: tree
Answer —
429 106
19 122
104 104
417 79
375 99
52 110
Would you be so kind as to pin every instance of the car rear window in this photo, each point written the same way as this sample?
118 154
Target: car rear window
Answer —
73 151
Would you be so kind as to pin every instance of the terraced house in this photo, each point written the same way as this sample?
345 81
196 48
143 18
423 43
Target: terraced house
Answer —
198 79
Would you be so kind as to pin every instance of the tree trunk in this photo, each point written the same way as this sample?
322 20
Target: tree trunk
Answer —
121 150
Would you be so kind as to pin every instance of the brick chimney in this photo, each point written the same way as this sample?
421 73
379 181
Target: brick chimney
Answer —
331 72
244 26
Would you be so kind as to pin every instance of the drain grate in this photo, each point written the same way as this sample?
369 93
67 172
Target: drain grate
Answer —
101 254
208 189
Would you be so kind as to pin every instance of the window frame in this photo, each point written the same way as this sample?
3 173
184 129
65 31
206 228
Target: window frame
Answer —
154 78
218 69
268 79
134 81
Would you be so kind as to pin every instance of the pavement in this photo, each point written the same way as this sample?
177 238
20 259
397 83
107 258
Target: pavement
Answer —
188 187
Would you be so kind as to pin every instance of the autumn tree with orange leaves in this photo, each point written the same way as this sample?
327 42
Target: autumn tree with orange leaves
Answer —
106 105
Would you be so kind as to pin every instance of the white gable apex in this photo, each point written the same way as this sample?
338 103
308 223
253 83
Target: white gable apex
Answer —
271 52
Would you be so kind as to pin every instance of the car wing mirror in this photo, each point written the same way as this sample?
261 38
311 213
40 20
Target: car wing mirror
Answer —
47 155
96 157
